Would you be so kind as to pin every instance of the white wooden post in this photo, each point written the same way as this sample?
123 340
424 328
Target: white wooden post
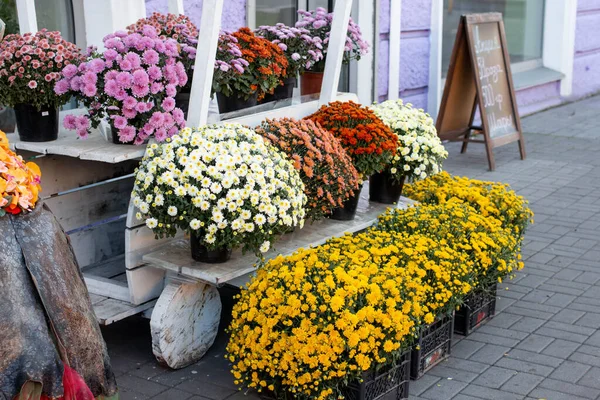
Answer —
394 58
176 7
366 67
204 65
27 16
335 51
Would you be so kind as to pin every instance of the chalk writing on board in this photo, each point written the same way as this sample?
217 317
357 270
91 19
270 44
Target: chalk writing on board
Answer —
488 53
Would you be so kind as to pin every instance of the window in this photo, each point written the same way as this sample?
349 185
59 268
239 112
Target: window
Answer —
523 23
270 12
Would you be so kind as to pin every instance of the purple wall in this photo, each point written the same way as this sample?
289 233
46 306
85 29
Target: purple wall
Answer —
414 51
586 65
234 11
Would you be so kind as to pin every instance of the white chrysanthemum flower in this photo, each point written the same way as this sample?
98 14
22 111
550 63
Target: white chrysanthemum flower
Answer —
144 207
151 223
195 224
172 211
265 247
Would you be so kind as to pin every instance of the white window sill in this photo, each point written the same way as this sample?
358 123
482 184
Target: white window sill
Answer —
535 77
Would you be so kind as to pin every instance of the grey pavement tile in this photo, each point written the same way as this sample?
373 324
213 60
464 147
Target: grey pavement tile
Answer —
535 343
591 350
585 358
425 382
591 378
206 389
494 377
589 319
561 348
522 383
465 348
504 320
490 394
570 388
172 394
127 394
489 354
559 334
507 333
536 358
570 371
140 385
446 371
493 339
528 324
582 330
443 389
594 339
549 394
239 396
524 366
568 316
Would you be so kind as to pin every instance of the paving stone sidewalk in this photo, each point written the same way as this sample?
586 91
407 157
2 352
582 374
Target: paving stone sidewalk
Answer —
543 344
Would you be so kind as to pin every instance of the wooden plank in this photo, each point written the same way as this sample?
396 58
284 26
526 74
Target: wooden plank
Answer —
107 287
111 310
107 269
145 283
335 51
176 255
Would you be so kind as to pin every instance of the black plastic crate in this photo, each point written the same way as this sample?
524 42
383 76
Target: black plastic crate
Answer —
432 346
388 383
479 307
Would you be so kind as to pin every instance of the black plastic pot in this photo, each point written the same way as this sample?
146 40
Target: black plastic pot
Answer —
36 125
348 211
202 254
384 189
182 100
234 103
281 92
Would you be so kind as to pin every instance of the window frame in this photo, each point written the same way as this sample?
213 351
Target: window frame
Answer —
558 50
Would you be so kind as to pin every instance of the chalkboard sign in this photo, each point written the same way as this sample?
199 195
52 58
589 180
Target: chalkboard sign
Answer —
479 78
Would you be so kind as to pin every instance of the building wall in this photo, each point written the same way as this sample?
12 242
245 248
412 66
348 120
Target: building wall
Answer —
234 11
414 51
586 65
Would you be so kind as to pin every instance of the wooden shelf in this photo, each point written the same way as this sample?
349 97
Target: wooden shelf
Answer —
175 256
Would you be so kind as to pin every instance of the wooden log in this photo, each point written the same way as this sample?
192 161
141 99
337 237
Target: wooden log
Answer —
184 323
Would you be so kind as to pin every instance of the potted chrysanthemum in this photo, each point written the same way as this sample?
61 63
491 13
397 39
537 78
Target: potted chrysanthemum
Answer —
318 22
324 166
301 50
420 151
224 185
369 142
30 65
180 28
133 84
247 67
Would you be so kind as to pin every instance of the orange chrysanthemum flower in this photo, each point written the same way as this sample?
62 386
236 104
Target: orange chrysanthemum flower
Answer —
19 181
325 168
369 142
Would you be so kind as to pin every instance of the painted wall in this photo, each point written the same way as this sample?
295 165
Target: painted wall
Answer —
234 11
414 51
586 65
